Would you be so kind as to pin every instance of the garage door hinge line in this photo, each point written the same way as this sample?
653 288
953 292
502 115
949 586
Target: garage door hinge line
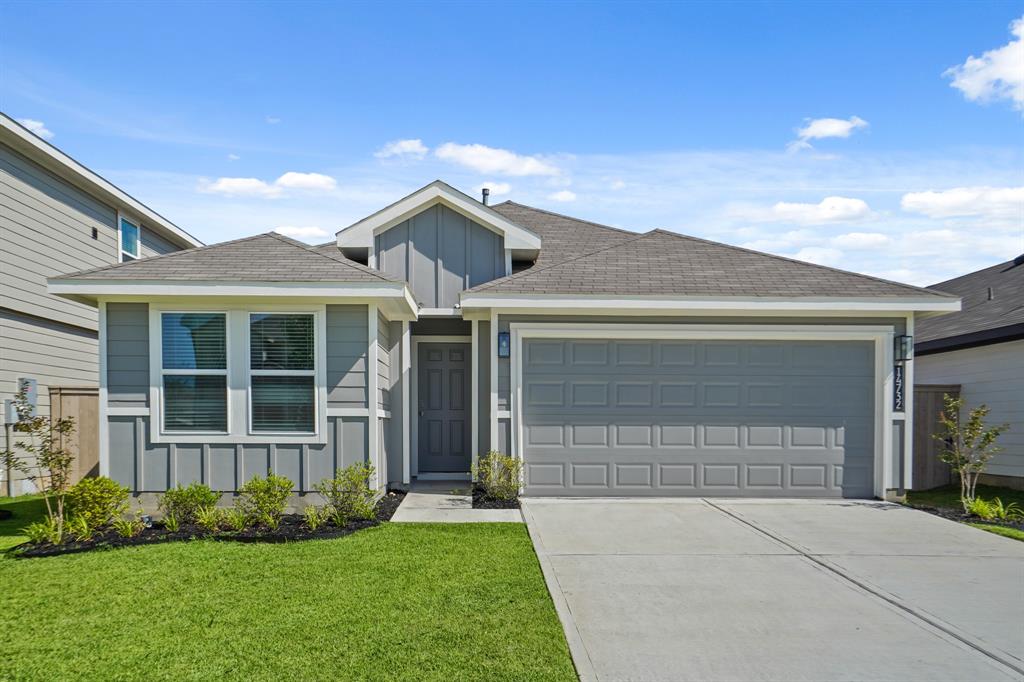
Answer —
884 596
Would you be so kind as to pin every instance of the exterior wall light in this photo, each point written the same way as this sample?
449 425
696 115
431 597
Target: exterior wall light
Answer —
904 349
504 344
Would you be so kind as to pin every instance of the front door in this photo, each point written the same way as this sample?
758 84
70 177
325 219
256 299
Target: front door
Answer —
444 410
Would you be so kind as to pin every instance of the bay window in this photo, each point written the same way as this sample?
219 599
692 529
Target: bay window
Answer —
282 391
194 372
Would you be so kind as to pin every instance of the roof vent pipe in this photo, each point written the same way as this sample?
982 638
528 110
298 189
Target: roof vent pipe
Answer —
486 194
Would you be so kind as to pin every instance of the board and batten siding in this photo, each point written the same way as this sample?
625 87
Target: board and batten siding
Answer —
144 466
992 375
383 362
440 253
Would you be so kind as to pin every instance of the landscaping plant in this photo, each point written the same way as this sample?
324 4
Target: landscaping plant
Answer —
1005 512
980 508
172 523
129 527
98 501
263 500
315 516
42 531
79 528
967 446
209 518
236 520
47 463
183 503
349 495
498 475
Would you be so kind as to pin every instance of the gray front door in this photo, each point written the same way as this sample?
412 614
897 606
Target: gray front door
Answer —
739 418
444 410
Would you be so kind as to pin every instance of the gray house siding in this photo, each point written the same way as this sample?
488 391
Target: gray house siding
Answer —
383 362
440 253
347 335
393 427
128 354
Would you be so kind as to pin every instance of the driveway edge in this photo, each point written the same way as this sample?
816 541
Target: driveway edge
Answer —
577 650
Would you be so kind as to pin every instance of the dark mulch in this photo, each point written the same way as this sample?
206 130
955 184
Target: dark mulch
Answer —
481 500
963 517
291 529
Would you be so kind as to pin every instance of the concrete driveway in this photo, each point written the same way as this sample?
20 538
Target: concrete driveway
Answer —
779 590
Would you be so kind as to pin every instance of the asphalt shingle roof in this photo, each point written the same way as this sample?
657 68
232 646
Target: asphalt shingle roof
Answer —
266 257
978 313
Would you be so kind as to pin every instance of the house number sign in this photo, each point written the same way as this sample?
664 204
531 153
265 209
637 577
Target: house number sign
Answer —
898 389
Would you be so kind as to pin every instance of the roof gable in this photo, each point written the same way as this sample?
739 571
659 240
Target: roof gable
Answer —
360 235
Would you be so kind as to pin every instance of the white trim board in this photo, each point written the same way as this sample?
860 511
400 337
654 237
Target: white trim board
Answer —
881 336
412 399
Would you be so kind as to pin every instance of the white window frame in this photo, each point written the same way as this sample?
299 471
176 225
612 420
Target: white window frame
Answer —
250 373
238 373
121 253
195 373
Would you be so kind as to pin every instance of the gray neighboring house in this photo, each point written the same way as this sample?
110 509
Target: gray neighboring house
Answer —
612 363
57 215
981 348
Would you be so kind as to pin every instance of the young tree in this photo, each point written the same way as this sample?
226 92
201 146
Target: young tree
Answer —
47 463
967 447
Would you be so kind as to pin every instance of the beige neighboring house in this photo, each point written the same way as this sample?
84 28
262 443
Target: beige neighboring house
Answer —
56 216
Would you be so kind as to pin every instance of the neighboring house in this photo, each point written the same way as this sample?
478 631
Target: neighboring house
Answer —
981 348
56 215
438 328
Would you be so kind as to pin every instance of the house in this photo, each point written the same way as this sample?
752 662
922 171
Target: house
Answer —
438 328
981 349
56 215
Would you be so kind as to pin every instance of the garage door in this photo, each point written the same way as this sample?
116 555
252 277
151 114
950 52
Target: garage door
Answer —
668 417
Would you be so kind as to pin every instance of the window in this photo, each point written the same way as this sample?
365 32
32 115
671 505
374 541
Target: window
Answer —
282 391
129 240
194 372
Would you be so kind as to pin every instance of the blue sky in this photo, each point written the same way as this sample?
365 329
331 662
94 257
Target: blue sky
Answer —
880 137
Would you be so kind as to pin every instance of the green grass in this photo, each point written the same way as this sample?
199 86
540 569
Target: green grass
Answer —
25 509
949 496
1000 530
400 601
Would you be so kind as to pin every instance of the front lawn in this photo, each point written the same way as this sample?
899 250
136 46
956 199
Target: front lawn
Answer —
948 496
400 601
1001 530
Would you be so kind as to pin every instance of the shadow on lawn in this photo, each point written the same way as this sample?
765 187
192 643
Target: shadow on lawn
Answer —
24 510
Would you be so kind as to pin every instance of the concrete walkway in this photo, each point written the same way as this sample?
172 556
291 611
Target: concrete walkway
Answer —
448 502
779 590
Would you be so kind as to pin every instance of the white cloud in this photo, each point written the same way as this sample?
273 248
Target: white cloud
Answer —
233 157
306 181
484 159
404 149
272 120
991 202
497 188
244 187
861 240
819 255
821 128
996 74
563 195
617 185
37 127
308 233
828 210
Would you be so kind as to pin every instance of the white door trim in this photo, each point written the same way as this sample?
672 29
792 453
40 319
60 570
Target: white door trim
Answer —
412 406
882 336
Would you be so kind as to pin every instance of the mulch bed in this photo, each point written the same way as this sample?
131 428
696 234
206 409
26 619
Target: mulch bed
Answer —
963 517
292 529
481 500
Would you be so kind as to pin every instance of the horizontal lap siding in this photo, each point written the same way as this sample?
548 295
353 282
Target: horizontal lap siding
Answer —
144 466
347 343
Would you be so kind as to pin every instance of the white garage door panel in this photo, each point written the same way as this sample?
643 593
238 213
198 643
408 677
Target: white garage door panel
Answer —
618 417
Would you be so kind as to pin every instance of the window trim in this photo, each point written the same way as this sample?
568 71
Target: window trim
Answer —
250 373
238 375
121 253
226 373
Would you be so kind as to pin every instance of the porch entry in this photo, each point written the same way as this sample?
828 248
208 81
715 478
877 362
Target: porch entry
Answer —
443 413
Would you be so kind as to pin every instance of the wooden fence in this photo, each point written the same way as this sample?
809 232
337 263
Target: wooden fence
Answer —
82 405
929 472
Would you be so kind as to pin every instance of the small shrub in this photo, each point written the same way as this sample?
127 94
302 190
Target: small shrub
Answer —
264 499
129 527
97 501
498 475
79 528
184 502
1005 512
980 508
209 518
172 523
47 530
236 520
348 494
315 516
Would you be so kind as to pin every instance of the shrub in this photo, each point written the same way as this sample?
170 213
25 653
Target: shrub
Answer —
184 502
348 494
79 528
236 520
264 499
171 523
315 516
1005 512
980 508
209 518
129 527
47 530
98 501
498 475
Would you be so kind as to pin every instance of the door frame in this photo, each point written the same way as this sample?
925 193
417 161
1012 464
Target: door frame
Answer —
414 395
881 336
